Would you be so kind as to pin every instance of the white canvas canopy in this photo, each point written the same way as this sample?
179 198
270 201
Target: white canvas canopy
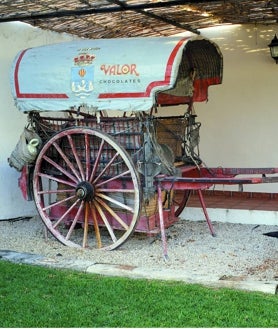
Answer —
115 74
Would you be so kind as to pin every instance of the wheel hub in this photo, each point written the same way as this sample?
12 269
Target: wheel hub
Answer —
85 191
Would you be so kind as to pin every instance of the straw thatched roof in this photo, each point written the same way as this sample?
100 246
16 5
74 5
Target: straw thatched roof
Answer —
128 18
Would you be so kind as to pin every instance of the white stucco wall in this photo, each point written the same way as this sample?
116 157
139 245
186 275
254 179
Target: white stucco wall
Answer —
240 120
239 123
13 38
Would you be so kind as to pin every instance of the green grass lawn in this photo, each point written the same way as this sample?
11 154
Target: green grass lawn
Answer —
32 296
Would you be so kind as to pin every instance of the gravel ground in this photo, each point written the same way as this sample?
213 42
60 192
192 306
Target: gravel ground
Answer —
238 252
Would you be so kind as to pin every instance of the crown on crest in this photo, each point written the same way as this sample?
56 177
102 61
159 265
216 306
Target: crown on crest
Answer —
84 59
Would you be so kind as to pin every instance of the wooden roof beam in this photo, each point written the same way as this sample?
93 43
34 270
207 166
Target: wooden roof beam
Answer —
152 15
92 11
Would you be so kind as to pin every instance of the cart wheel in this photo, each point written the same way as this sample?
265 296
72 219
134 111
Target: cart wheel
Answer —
180 201
86 189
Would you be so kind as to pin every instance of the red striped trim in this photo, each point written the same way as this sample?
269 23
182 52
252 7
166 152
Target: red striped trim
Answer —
166 81
31 95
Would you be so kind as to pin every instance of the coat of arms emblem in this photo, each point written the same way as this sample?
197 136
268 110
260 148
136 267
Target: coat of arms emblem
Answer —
82 75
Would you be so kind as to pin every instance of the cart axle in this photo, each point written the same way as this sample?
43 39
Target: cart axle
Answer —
85 191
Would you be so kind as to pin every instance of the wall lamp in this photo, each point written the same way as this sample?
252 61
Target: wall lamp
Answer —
273 47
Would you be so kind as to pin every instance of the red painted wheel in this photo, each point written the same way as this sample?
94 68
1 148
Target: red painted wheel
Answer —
180 201
86 189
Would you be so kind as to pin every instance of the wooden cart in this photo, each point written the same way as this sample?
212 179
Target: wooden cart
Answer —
103 161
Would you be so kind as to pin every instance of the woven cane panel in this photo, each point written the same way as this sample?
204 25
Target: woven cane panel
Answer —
171 131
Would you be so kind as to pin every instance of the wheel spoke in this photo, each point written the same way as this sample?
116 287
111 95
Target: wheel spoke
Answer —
77 159
87 155
75 220
111 190
112 212
66 213
66 159
113 178
58 180
105 220
97 161
55 191
94 216
122 205
105 168
59 202
62 170
86 226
